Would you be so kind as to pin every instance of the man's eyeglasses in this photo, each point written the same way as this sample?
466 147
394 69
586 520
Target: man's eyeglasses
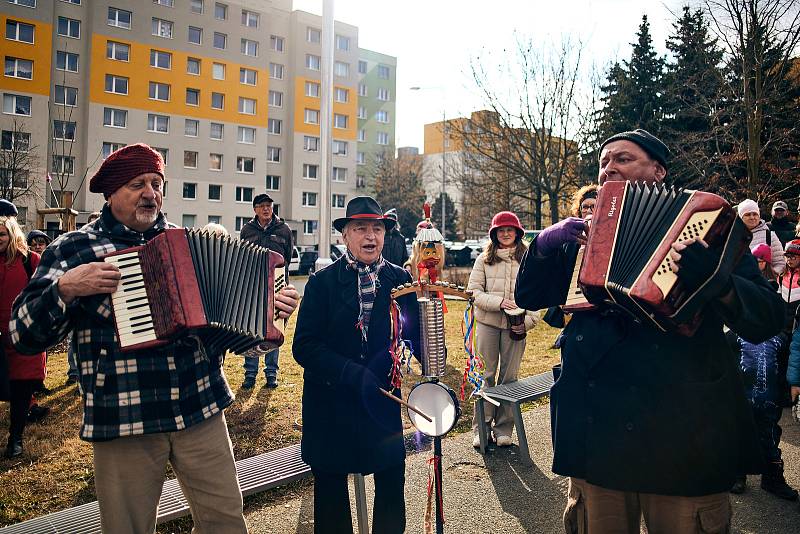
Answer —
587 207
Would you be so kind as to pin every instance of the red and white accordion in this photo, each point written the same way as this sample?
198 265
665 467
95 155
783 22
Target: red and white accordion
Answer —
187 281
626 261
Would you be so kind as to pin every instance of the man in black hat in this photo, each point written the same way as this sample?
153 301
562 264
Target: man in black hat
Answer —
644 422
342 341
269 231
7 208
394 247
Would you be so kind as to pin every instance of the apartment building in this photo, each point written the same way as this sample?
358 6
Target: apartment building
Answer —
229 92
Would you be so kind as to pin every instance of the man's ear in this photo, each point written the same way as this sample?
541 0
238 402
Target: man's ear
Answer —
661 172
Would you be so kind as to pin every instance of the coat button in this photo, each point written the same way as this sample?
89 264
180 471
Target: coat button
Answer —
579 337
629 427
591 383
362 356
590 419
654 347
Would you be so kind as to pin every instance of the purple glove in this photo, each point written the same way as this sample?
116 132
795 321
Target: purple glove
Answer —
552 237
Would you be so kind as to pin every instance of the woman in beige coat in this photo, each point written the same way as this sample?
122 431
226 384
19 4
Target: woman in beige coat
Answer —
492 283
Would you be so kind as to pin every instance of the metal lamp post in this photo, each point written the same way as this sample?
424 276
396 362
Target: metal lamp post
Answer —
444 153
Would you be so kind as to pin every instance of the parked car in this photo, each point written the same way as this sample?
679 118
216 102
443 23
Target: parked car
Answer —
294 263
308 258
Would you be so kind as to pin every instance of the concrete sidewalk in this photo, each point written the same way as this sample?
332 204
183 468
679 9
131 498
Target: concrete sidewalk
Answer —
500 494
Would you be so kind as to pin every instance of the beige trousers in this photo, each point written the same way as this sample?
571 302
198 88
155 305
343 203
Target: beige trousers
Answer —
595 510
502 356
129 473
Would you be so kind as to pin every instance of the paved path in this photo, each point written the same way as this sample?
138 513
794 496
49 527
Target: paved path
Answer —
499 494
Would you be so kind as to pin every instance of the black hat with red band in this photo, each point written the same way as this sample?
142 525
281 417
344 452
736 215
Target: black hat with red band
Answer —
363 208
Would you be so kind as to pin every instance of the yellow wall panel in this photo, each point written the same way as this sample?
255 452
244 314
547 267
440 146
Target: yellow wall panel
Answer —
40 52
301 102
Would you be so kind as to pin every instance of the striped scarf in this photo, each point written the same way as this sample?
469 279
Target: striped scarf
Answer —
368 285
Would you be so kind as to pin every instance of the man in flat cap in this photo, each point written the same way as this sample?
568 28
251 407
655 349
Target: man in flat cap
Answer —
781 224
648 423
144 408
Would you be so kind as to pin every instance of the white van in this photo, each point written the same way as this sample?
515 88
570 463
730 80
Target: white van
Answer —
294 264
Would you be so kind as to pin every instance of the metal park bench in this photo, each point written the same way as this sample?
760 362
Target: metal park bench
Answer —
256 474
525 390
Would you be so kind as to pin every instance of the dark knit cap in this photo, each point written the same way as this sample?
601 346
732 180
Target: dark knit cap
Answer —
37 234
7 209
262 197
124 165
651 144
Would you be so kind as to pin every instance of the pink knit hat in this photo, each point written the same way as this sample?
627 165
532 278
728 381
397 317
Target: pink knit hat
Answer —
762 252
124 165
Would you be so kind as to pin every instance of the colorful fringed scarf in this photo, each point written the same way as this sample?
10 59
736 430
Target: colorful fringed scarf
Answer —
368 285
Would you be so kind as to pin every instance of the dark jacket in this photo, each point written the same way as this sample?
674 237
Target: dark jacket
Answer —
639 410
276 236
342 433
783 228
394 247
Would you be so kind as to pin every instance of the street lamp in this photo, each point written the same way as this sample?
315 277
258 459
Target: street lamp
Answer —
444 151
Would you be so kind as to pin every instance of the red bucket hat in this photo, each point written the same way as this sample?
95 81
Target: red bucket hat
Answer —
506 218
124 165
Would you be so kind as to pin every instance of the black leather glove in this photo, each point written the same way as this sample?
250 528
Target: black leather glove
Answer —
696 265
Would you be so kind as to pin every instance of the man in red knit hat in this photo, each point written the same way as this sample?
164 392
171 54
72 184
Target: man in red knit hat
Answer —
141 408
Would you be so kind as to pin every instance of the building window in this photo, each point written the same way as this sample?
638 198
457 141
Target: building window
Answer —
164 153
16 104
66 96
341 95
69 27
382 116
310 143
193 97
19 141
196 6
273 154
116 84
310 171
193 66
312 89
309 200
340 148
195 35
217 130
274 126
241 221
311 116
19 31
276 99
108 148
362 112
162 28
309 227
64 165
218 71
383 138
190 127
383 94
117 51
167 3
361 182
341 69
339 175
360 158
247 76
214 192
249 47
313 35
19 68
115 118
220 40
245 134
362 89
190 159
312 62
276 71
215 219
160 60
159 91
250 19
66 61
64 130
220 11
119 18
339 121
215 162
338 201
247 105
383 72
342 42
188 220
362 136
362 67
157 123
217 101
25 3
245 165
189 191
276 43
273 182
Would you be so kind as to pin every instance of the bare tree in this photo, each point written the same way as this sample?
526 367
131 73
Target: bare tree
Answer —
18 164
398 184
526 148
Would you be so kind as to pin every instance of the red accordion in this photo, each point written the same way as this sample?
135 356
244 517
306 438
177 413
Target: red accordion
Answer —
192 282
626 261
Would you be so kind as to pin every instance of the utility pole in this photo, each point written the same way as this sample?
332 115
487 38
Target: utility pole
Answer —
326 117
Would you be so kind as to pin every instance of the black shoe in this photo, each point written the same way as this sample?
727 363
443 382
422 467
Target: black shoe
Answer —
777 486
37 413
249 382
272 382
14 447
739 486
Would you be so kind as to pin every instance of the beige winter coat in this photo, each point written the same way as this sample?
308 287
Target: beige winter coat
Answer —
490 284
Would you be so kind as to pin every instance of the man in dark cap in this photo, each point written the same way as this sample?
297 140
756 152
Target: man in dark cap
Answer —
342 341
394 246
144 408
269 231
781 224
644 422
7 208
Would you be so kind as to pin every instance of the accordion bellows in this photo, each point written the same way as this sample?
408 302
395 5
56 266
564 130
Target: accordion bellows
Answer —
626 262
192 282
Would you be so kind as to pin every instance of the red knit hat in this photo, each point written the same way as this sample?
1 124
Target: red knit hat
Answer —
762 252
506 218
124 165
793 247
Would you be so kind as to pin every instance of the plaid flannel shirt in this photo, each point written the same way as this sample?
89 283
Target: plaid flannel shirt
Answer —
124 394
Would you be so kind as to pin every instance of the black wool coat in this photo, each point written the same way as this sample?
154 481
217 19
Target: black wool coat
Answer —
636 409
345 428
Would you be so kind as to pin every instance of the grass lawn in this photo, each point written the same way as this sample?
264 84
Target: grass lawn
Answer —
55 472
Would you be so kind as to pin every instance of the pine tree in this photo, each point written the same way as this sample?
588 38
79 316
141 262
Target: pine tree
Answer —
450 212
